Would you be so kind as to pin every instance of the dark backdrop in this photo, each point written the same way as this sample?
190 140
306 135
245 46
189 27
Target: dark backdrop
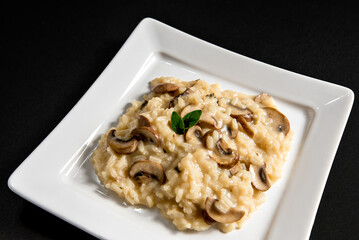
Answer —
52 53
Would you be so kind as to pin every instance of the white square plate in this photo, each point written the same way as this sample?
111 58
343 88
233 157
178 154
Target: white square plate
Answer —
58 177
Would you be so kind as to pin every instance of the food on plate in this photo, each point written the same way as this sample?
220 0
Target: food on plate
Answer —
204 157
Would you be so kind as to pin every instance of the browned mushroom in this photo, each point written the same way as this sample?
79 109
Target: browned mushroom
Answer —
146 171
246 127
215 134
260 178
236 112
194 134
248 117
225 156
189 108
174 101
147 134
280 122
165 87
239 166
212 214
143 121
119 145
209 121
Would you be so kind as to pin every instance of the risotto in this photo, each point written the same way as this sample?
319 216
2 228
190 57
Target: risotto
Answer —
211 172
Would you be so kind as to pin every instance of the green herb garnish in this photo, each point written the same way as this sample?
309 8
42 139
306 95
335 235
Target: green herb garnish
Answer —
177 123
180 125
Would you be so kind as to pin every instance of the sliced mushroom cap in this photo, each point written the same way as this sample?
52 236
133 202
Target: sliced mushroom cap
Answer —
194 133
147 134
246 127
237 111
260 178
239 166
119 145
189 108
210 121
143 121
146 171
225 156
207 219
280 122
248 117
212 214
215 134
174 100
165 87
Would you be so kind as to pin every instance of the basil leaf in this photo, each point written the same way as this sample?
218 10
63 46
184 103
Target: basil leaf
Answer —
177 123
191 118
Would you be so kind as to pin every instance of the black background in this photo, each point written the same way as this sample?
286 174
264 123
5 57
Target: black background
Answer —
52 53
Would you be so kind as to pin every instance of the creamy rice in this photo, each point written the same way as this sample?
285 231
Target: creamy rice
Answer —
214 176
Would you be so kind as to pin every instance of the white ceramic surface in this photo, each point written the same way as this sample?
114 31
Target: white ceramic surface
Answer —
63 182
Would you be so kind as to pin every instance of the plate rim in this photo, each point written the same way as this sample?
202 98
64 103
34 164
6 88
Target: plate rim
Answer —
151 24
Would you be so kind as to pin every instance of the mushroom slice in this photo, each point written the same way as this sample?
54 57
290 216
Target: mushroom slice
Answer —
248 117
165 87
174 100
207 219
225 156
249 131
146 171
215 134
210 121
143 121
279 121
194 133
239 166
212 214
189 108
260 178
119 145
237 111
147 134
